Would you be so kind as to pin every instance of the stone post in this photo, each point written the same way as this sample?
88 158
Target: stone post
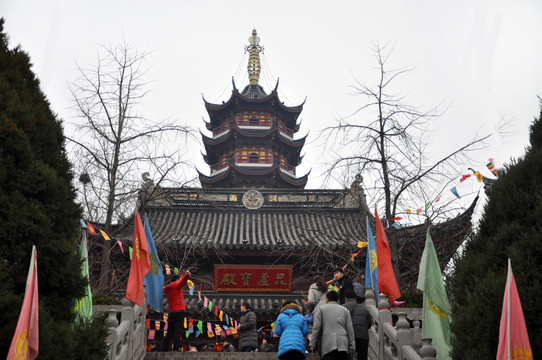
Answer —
370 297
384 316
404 337
112 324
427 351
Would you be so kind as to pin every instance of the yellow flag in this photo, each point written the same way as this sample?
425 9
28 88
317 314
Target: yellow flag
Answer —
362 244
190 284
106 237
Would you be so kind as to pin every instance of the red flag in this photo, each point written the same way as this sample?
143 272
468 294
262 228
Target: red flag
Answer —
513 337
140 264
25 342
387 284
91 228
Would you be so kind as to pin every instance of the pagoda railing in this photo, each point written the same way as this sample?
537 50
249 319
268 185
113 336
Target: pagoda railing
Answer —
224 128
259 161
283 129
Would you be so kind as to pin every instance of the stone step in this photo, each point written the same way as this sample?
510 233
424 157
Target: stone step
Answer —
217 356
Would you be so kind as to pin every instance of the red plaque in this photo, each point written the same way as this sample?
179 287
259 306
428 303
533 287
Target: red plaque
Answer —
256 278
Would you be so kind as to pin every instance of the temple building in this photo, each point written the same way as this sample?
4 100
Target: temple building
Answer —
252 232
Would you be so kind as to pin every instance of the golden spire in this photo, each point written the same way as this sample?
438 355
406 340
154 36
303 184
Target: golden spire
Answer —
254 50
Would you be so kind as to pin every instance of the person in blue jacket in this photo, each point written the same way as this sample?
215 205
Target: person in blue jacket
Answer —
292 327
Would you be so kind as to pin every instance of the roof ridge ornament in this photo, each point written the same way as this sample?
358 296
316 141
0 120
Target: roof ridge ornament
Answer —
254 50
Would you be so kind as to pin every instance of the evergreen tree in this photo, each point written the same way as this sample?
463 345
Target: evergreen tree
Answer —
511 227
37 206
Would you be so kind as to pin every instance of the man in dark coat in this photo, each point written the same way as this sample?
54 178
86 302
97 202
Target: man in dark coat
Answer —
361 321
343 283
248 333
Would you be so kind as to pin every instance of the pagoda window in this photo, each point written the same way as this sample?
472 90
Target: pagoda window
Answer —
253 118
253 158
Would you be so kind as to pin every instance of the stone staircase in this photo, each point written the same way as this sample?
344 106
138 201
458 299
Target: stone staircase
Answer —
217 356
388 340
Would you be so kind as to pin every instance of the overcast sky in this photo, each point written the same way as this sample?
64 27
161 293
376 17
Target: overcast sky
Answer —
480 60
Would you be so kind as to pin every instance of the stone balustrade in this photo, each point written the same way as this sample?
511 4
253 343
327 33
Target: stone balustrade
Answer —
126 337
399 342
387 341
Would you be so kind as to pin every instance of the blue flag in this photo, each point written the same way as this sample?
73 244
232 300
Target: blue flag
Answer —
154 281
371 264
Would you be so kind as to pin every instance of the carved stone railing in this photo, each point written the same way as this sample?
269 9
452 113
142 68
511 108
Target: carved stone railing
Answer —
399 342
126 338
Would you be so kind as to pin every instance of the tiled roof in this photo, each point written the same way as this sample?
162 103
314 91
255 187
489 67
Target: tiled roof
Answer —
256 229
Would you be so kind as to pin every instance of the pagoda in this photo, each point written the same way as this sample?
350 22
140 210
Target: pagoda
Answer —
252 143
253 215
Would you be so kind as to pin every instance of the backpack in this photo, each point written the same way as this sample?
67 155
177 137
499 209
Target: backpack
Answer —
358 289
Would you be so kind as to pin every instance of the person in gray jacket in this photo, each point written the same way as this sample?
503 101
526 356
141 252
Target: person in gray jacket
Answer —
361 321
248 333
333 324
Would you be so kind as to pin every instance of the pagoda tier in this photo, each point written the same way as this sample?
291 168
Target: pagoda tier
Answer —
238 104
271 176
233 137
252 143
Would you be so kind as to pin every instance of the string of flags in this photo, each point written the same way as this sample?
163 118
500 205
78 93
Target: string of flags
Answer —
192 326
207 303
475 174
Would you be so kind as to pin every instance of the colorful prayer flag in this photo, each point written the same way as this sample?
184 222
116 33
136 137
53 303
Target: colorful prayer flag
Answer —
83 306
83 225
387 283
362 244
492 168
454 191
352 256
151 334
513 338
154 280
140 264
437 313
479 176
91 228
464 177
396 225
168 270
25 342
106 237
371 263
121 248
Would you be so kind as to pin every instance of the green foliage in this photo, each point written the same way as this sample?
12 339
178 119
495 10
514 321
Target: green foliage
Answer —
79 340
412 298
102 299
37 207
510 228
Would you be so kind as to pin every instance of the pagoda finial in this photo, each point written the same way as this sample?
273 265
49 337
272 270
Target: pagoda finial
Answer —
254 50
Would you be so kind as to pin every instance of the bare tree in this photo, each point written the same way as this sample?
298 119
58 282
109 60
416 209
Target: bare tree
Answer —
389 141
114 145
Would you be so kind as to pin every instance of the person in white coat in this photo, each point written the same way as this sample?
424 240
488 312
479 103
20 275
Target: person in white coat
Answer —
333 324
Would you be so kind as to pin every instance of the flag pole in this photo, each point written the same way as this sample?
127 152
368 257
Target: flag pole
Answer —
508 282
